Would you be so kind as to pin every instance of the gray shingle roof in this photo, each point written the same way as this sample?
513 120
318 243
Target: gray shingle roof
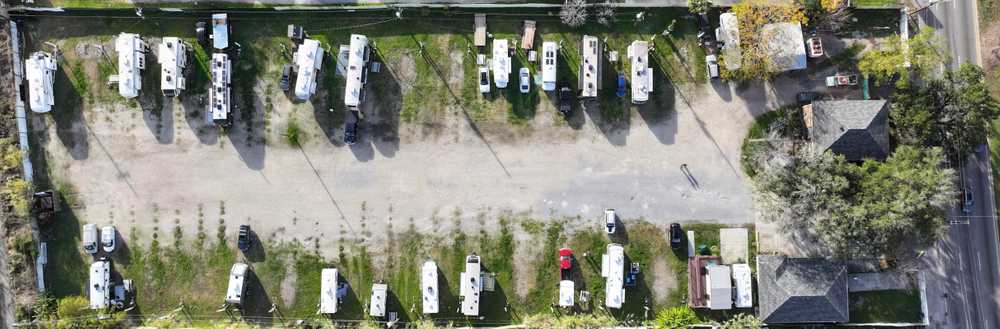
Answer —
802 290
856 129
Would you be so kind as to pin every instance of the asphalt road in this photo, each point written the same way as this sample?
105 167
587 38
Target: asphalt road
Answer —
958 22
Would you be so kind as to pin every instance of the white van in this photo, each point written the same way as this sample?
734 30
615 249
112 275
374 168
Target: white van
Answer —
90 238
610 220
108 238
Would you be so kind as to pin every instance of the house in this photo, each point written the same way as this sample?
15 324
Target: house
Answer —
172 57
379 293
100 285
220 31
328 291
220 94
856 129
549 52
357 71
590 66
308 61
642 74
728 34
720 287
801 290
429 287
39 69
131 61
613 269
471 286
784 46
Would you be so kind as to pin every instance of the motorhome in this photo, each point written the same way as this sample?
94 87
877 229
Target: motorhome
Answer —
429 287
172 57
642 74
471 285
613 270
237 284
131 61
39 69
328 291
501 63
590 66
549 52
220 94
357 71
308 61
379 293
100 285
220 31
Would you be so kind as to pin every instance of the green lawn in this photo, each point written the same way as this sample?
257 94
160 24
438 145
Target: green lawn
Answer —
885 306
867 4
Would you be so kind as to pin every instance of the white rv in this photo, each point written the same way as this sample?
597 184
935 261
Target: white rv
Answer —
501 63
550 51
220 31
131 61
328 291
379 294
471 286
39 69
566 291
613 269
237 283
357 71
744 286
590 66
429 287
100 285
220 94
172 57
308 61
642 75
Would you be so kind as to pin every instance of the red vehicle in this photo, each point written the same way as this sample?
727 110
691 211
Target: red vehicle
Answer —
565 262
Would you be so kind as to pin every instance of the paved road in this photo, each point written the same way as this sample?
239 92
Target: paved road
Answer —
958 22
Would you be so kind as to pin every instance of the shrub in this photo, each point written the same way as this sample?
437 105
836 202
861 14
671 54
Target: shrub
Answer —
17 192
680 317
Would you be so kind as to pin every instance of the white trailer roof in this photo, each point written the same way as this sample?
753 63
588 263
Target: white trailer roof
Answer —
566 291
744 287
642 75
220 95
172 56
309 60
729 34
131 61
501 63
784 45
220 31
590 67
550 52
39 69
357 65
237 281
328 291
471 286
100 284
429 287
720 287
614 266
379 292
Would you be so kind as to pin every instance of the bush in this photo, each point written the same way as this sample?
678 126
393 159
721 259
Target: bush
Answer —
72 307
680 317
17 192
293 134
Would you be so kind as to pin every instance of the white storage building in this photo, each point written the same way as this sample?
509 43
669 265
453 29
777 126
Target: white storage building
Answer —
237 283
642 74
501 63
131 61
744 286
590 66
328 291
471 286
172 57
39 69
613 269
308 61
720 287
357 71
100 285
220 94
379 293
429 287
550 51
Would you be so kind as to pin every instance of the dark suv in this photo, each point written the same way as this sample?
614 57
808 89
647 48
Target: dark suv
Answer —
676 236
243 239
565 101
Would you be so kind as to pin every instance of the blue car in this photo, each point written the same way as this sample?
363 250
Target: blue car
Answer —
621 86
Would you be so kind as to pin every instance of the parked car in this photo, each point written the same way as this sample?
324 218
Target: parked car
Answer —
712 66
565 101
90 238
841 79
201 31
524 77
108 239
620 92
967 205
286 77
807 97
484 80
815 47
351 127
610 220
676 236
243 240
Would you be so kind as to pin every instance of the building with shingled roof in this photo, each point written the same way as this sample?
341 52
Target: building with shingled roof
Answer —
856 129
802 290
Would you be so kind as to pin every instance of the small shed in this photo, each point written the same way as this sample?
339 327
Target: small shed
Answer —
480 36
379 293
528 39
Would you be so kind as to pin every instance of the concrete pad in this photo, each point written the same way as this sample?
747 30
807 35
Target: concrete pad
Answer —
734 245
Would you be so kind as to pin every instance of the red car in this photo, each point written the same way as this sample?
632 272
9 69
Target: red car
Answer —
565 259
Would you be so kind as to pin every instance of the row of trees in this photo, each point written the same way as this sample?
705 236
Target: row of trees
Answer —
682 317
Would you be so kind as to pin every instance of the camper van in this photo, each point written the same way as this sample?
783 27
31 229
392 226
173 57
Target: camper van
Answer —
328 291
39 70
90 238
471 285
501 63
237 284
549 52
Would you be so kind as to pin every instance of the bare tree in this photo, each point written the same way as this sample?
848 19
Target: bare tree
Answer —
835 18
605 13
574 12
